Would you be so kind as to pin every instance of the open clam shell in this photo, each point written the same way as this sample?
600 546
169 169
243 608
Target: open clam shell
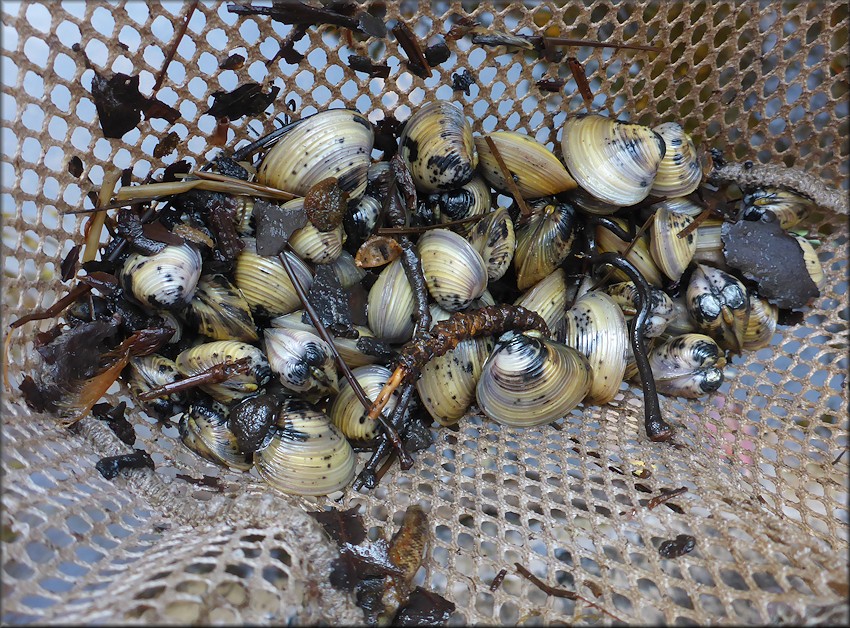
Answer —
306 454
333 143
596 328
438 147
536 170
454 271
529 380
615 161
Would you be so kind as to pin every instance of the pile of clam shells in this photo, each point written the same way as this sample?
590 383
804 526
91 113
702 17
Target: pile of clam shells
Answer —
702 310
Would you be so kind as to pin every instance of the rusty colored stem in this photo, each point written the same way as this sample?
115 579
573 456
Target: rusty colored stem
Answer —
216 374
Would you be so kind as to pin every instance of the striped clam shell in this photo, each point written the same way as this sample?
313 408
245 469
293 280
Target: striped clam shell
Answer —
391 304
305 453
536 170
164 280
219 311
447 383
529 380
690 365
596 328
264 282
661 311
204 430
438 147
761 324
790 209
197 359
671 253
346 347
333 143
719 304
680 171
312 245
152 371
472 199
543 242
349 415
454 271
495 240
303 361
640 255
614 161
548 297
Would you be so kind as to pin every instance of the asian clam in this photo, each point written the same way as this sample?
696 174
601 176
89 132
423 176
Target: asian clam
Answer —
290 412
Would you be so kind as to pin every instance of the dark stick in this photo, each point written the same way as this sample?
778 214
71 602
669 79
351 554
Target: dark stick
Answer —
355 385
497 581
177 39
216 374
656 428
701 218
666 495
417 62
580 76
556 592
614 228
563 41
424 228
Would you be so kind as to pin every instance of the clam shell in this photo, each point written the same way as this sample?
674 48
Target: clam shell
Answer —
810 258
360 219
661 314
165 280
761 324
391 305
536 170
639 256
346 271
198 359
710 244
152 371
219 311
349 415
687 366
472 199
265 284
543 242
312 245
494 238
719 305
596 328
204 430
679 205
346 347
454 271
333 143
529 380
447 383
614 161
671 253
680 171
790 209
548 297
303 361
306 454
438 147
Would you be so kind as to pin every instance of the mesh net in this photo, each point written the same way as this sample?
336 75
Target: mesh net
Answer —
766 501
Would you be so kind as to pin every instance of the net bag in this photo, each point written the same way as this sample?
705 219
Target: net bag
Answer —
762 460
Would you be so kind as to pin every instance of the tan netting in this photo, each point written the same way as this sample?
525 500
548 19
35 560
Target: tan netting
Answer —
766 502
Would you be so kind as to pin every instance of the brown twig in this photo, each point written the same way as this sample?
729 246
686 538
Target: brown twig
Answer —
508 177
701 218
557 592
216 374
160 77
497 581
346 371
665 495
580 76
564 41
